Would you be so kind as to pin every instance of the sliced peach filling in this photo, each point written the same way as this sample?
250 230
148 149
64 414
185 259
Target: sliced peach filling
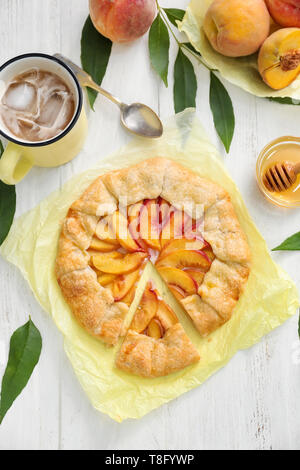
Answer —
175 227
196 274
123 284
123 242
183 244
105 232
100 245
106 279
121 230
130 262
178 293
177 277
146 311
150 224
186 259
155 329
129 297
153 316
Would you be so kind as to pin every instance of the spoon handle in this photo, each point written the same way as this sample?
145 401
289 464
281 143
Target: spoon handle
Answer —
86 80
91 84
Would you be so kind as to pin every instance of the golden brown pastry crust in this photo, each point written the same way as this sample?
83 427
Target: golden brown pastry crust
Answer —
96 200
142 181
149 357
205 318
223 232
185 190
94 305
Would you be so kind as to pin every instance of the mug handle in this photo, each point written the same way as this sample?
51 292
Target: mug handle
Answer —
13 165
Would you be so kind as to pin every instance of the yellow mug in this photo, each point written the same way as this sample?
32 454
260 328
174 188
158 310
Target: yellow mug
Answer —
20 155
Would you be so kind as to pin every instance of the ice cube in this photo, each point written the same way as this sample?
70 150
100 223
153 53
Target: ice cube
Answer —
56 111
50 110
28 130
21 96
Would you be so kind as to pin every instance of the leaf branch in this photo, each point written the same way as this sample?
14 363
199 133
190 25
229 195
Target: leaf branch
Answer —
185 81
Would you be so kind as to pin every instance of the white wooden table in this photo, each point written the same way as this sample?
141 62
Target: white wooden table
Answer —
251 404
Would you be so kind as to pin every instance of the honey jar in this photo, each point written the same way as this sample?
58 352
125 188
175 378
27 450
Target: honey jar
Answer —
283 149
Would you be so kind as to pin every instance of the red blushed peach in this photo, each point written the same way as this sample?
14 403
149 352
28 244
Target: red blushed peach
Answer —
237 28
285 12
122 20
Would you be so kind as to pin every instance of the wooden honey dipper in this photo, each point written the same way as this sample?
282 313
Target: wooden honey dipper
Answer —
281 176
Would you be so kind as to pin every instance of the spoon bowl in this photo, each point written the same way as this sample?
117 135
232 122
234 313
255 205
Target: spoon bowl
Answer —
141 120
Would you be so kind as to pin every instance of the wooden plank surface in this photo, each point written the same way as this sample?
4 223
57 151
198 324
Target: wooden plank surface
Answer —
251 404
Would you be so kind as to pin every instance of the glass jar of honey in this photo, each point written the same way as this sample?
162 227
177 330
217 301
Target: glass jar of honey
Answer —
284 149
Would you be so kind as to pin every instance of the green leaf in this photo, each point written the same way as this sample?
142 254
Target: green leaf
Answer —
7 206
95 53
222 109
159 44
286 100
24 353
192 49
174 14
290 244
185 83
92 96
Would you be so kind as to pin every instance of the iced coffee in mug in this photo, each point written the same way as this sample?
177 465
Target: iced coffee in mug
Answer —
41 115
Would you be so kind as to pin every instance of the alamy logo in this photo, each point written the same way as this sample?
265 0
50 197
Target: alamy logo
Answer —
151 219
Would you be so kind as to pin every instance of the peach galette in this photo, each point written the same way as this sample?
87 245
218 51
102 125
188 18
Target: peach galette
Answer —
156 343
155 211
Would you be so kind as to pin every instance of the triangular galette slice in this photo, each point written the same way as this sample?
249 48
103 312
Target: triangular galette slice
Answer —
156 344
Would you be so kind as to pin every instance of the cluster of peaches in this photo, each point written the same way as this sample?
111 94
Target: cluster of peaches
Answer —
151 229
237 28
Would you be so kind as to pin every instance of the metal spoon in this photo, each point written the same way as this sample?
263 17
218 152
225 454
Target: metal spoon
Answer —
136 118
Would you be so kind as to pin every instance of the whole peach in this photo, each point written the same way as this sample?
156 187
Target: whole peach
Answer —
285 12
237 28
122 20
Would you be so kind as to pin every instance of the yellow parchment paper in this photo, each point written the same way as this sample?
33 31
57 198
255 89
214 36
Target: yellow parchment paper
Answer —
270 297
241 71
